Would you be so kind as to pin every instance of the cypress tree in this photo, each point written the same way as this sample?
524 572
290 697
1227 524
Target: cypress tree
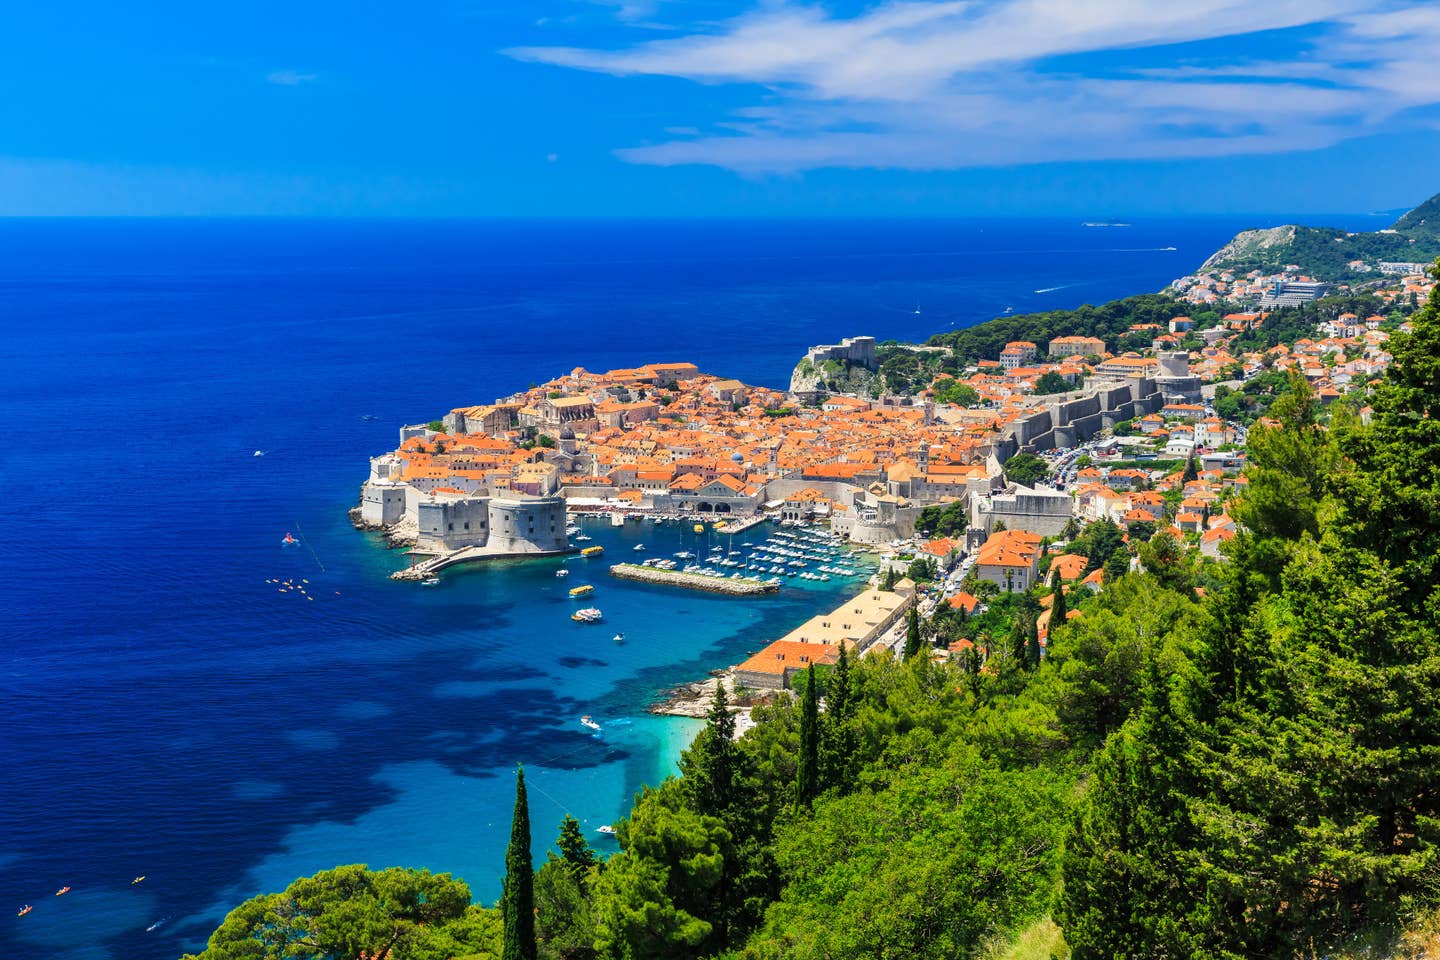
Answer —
1058 609
912 633
839 734
517 901
1190 472
1032 643
807 770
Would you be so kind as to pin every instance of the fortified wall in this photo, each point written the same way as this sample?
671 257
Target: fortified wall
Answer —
1072 418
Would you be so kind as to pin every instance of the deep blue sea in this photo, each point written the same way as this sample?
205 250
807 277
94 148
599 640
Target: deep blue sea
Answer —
164 711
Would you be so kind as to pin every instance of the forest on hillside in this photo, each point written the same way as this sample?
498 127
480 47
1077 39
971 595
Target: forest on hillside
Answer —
1246 770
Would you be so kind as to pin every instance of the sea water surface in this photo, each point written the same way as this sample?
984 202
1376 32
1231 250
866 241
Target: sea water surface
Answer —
167 712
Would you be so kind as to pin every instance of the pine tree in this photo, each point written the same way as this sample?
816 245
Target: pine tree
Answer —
517 901
807 768
912 633
575 852
711 764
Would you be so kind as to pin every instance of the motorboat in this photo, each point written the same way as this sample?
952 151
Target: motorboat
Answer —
587 615
582 538
62 891
638 547
430 582
562 572
592 551
619 638
606 829
584 590
590 722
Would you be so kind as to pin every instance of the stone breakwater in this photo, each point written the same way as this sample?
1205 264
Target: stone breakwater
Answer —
692 581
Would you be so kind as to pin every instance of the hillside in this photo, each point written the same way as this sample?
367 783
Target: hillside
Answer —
1327 252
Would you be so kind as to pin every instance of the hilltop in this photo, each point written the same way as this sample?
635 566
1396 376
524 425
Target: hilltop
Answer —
1329 253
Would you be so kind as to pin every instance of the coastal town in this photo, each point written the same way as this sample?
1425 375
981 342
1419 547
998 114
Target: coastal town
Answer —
965 498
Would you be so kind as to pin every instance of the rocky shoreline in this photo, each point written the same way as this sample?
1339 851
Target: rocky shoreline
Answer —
694 700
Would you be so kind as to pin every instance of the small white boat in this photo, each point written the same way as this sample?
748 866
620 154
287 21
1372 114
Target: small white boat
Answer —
430 582
619 638
608 830
638 547
581 538
562 572
588 615
589 722
259 453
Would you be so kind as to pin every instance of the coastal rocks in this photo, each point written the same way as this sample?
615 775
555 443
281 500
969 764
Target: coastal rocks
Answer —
1248 243
694 700
692 581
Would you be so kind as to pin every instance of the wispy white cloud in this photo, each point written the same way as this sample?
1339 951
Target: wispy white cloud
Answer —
931 84
290 78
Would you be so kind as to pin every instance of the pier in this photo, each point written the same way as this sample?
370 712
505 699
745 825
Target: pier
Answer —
693 581
428 568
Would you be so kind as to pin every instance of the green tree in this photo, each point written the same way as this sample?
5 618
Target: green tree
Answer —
1117 566
1052 382
807 771
1191 473
712 764
517 899
350 912
1058 609
575 851
839 741
1026 469
912 633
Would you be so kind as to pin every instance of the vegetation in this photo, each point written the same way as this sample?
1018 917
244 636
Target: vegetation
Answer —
1052 382
949 520
1026 469
517 902
949 390
353 912
435 426
1109 321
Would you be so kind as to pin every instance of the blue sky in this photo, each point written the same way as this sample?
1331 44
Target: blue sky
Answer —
693 107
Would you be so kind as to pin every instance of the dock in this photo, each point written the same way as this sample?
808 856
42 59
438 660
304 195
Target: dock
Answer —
428 568
737 587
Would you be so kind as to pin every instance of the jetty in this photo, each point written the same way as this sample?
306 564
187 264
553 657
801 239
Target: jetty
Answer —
429 568
730 587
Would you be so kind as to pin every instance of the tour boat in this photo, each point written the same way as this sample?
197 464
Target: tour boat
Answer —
699 528
590 723
584 590
24 910
587 615
62 891
592 551
606 829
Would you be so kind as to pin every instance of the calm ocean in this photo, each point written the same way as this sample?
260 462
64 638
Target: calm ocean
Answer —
164 711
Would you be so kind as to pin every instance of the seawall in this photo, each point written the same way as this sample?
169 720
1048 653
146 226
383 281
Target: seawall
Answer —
692 581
